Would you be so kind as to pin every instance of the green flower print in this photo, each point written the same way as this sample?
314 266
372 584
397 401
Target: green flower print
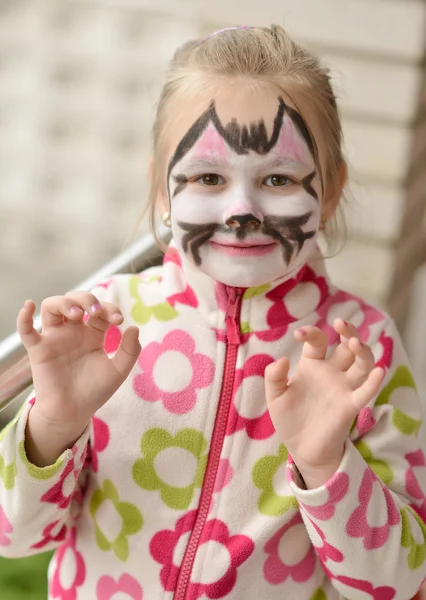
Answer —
154 445
379 467
130 516
318 595
417 554
270 502
7 473
142 313
256 291
401 378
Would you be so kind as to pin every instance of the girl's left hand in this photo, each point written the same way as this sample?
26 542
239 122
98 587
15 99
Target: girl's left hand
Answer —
313 412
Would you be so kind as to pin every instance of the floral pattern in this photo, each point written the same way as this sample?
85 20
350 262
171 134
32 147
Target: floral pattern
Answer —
271 501
5 528
141 312
61 492
62 568
417 554
196 371
107 588
100 440
358 527
129 516
275 569
156 441
402 378
238 547
51 533
336 488
257 428
412 485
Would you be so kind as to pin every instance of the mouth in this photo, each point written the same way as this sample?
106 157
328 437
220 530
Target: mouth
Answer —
258 248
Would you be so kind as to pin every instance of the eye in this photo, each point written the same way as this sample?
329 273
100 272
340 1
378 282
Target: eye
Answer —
277 181
211 179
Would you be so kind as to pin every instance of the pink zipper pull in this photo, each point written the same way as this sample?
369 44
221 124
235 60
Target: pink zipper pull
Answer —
232 320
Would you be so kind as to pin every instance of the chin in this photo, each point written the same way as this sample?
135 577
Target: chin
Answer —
244 277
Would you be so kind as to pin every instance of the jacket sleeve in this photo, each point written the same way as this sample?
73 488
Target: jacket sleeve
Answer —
367 523
37 504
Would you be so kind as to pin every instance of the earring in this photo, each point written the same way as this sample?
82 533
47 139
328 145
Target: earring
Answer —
166 219
323 224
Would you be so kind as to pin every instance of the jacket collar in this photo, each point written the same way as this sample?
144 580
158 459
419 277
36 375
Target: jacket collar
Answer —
266 310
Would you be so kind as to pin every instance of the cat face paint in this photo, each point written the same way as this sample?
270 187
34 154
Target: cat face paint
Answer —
245 203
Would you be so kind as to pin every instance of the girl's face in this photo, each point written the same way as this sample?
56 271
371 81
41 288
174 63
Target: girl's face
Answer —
244 190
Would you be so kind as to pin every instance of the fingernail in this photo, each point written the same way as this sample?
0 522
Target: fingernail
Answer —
95 307
302 331
346 323
75 310
117 316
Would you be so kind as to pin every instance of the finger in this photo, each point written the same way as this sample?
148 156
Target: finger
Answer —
345 329
363 362
101 315
276 378
127 352
25 325
369 389
110 315
342 357
315 342
54 309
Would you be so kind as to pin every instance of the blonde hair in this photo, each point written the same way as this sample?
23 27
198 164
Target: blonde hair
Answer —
263 56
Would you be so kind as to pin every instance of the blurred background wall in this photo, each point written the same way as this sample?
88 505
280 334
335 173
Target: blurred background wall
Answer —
78 84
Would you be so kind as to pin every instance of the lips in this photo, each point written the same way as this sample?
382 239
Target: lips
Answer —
259 248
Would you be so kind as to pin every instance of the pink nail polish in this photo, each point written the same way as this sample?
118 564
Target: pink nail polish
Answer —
95 307
302 331
75 310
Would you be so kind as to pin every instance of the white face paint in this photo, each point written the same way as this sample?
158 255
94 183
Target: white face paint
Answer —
245 217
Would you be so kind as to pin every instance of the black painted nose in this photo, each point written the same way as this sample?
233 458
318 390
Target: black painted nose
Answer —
237 221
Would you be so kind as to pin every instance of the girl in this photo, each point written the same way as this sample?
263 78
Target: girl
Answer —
263 441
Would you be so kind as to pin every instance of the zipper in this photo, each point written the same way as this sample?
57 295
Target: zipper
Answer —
232 323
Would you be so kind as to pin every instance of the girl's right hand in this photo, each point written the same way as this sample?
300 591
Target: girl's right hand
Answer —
73 376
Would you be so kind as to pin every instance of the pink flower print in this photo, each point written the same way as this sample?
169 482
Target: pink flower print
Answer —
105 284
226 553
323 549
385 359
68 561
381 593
416 460
284 297
107 588
176 387
54 532
100 440
5 528
61 492
331 310
337 489
365 421
187 295
224 475
291 554
358 526
248 399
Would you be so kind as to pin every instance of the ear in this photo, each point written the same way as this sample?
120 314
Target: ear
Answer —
331 202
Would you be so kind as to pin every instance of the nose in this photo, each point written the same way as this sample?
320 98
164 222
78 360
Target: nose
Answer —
238 221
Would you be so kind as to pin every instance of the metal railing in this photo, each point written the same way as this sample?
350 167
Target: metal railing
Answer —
15 372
